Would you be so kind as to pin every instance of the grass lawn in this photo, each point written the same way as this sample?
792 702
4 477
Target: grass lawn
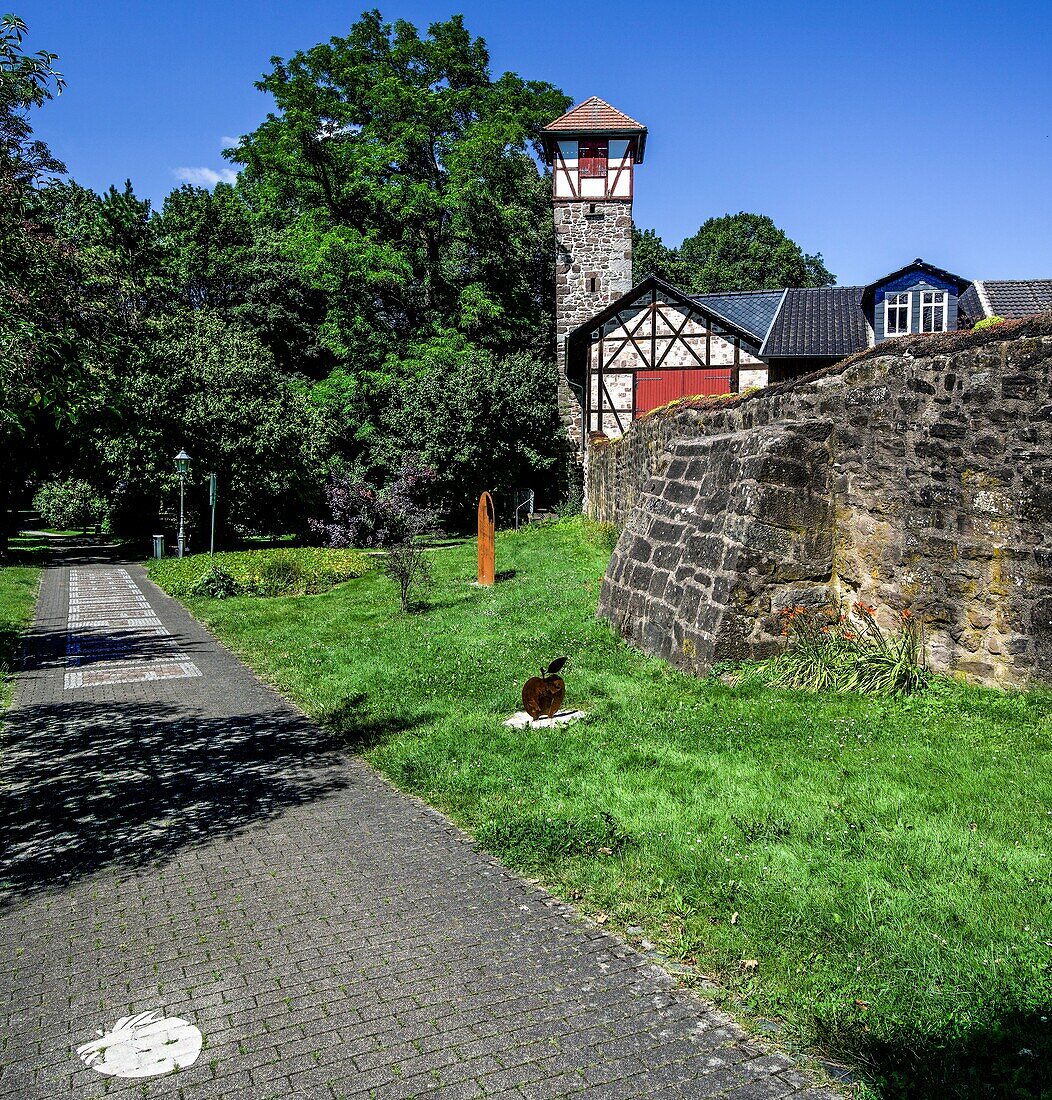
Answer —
873 873
18 592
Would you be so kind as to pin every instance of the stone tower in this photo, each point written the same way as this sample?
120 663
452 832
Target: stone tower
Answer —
592 150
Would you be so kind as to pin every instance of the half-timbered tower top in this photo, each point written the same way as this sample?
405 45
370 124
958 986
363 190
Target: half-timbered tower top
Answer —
592 150
596 118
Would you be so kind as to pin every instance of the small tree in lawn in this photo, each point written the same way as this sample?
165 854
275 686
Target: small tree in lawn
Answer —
410 568
406 516
393 517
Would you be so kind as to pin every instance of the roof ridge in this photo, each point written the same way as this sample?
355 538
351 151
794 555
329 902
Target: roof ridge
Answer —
718 293
770 327
1010 282
611 107
593 107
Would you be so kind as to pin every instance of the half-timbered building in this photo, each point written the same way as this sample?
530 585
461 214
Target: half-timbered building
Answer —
650 347
624 350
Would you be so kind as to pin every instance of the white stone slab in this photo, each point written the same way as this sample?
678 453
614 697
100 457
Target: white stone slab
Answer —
520 720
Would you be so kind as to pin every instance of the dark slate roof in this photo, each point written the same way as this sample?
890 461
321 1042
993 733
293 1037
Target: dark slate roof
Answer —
1015 298
751 310
818 322
970 308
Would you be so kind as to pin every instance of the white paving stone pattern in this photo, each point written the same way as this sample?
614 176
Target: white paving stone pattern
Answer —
114 635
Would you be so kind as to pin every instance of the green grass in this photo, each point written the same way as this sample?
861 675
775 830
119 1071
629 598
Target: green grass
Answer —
19 580
885 862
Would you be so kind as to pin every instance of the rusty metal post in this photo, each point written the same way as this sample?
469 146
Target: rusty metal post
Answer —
487 564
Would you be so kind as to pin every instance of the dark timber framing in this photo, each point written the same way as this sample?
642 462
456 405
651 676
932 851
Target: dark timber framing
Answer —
652 347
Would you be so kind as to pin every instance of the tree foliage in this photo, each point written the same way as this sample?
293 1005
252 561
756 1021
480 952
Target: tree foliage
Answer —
746 252
71 502
203 384
415 200
482 422
651 256
39 311
224 255
733 252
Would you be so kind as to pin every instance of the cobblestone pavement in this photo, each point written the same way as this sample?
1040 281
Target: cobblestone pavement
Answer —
175 837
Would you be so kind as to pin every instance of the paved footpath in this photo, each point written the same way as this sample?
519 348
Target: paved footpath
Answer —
176 838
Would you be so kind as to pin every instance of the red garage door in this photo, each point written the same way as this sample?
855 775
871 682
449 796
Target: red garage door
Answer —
657 388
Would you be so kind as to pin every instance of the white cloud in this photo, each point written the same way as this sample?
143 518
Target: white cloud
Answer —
205 177
227 142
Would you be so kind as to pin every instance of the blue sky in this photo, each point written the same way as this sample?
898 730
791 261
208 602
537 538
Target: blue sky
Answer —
872 133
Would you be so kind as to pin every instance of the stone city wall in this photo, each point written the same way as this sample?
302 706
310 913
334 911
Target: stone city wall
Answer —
915 476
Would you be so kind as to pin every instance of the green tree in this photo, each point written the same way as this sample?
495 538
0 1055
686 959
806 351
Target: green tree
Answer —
746 252
72 502
405 173
38 308
651 256
224 255
213 388
480 421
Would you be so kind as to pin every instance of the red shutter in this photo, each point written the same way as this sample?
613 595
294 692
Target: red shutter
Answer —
592 157
657 388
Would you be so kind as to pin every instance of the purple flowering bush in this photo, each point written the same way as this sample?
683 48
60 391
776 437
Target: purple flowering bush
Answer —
360 514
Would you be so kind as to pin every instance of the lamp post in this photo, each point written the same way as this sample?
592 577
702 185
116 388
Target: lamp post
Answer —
182 465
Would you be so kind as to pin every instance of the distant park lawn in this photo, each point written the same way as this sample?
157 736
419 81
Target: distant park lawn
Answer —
875 874
19 579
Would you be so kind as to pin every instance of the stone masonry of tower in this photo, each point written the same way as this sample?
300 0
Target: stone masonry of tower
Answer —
593 240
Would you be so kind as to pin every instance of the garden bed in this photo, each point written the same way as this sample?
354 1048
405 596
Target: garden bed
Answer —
286 571
871 872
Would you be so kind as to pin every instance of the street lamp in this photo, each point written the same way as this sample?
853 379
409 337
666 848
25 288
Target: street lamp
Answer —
182 466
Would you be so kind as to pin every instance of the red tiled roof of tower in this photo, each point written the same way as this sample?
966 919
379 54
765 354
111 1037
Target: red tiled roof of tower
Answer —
594 114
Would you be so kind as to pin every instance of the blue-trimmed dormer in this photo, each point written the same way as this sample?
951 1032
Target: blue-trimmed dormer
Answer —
916 298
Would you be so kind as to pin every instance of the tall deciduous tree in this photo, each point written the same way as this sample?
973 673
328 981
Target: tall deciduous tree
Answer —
480 421
38 310
223 255
213 388
746 252
409 175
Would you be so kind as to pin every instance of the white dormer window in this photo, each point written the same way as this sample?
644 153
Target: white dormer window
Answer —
897 314
933 311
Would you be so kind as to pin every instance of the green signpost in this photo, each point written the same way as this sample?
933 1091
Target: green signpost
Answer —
212 502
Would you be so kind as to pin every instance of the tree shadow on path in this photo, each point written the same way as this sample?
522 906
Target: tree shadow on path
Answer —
86 784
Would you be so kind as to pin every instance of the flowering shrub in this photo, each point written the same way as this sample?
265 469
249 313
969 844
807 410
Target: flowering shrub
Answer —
362 515
827 649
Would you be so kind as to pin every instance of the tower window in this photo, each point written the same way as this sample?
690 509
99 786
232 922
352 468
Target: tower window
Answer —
592 283
591 159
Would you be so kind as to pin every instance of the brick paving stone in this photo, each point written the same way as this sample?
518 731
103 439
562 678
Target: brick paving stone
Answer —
175 836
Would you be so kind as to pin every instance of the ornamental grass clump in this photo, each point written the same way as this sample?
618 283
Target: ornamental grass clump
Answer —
827 649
